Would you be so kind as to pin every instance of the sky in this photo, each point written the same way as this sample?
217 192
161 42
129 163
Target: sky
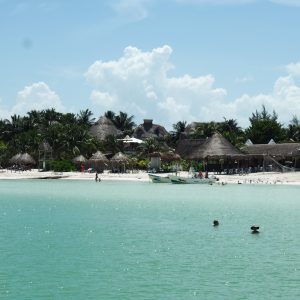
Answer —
166 60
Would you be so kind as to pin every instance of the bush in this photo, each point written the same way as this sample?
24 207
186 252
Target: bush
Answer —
62 166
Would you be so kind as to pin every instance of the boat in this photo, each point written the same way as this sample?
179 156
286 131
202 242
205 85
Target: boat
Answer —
192 180
159 179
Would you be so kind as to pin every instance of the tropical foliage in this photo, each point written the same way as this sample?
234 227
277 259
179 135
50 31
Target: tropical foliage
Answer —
68 134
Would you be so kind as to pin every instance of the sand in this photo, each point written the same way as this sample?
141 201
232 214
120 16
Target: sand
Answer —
252 178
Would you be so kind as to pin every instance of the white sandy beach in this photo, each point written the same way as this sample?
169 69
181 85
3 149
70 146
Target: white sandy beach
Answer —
252 178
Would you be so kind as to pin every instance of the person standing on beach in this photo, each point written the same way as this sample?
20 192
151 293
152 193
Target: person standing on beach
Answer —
96 177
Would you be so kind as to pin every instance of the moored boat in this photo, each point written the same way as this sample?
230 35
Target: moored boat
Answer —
192 180
159 178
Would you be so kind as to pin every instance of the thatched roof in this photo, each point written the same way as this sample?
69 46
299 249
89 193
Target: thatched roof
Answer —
214 147
26 159
190 149
15 158
22 159
104 127
280 150
98 157
217 146
79 159
166 156
119 158
148 130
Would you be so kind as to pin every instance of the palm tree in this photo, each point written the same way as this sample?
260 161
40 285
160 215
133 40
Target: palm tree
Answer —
150 145
84 118
122 121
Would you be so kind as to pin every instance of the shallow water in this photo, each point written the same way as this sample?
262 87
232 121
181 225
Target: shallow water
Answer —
128 240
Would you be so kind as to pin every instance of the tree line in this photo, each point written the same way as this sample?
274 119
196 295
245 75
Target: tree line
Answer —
69 134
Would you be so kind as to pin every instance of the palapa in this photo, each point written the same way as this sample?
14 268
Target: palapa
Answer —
103 128
26 159
15 159
285 150
22 159
214 147
119 158
219 147
98 157
79 159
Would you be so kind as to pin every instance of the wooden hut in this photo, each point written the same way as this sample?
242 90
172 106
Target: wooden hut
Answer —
216 152
149 130
98 162
103 128
119 162
278 156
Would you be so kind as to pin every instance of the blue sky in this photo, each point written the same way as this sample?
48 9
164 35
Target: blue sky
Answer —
170 60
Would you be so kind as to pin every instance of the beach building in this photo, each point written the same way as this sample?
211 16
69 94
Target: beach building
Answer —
103 128
149 130
274 156
215 152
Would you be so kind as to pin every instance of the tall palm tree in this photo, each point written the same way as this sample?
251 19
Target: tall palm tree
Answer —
84 118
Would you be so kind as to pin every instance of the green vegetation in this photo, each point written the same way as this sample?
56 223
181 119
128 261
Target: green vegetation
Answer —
69 135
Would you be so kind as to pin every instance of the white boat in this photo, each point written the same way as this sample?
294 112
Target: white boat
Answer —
192 180
160 179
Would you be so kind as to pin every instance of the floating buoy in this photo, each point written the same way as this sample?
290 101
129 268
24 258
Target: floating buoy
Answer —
216 223
254 229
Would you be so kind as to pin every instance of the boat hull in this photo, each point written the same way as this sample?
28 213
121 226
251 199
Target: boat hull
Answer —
191 180
159 179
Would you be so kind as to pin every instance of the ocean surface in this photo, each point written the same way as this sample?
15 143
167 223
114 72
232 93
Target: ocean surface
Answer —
139 240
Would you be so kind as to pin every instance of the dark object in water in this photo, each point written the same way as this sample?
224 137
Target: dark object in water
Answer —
254 229
216 223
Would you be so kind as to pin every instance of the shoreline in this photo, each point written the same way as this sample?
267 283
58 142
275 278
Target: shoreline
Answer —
292 178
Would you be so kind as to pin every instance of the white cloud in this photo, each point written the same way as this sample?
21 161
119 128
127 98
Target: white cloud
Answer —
102 99
37 96
139 83
142 86
293 69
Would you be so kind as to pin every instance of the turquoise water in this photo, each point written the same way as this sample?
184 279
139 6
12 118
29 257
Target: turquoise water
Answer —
125 240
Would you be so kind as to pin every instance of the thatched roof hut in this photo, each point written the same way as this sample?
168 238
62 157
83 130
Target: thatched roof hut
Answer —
119 158
285 150
215 147
104 127
15 159
26 159
190 149
219 147
169 156
98 161
118 162
149 130
22 159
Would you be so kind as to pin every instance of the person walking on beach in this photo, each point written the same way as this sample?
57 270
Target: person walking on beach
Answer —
96 177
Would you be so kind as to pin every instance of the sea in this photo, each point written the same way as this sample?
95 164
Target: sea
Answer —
64 239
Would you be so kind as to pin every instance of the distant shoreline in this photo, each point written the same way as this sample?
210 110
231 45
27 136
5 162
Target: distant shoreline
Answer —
252 178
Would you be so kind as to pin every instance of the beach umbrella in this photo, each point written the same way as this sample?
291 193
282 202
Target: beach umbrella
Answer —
80 159
26 159
98 161
119 160
15 158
